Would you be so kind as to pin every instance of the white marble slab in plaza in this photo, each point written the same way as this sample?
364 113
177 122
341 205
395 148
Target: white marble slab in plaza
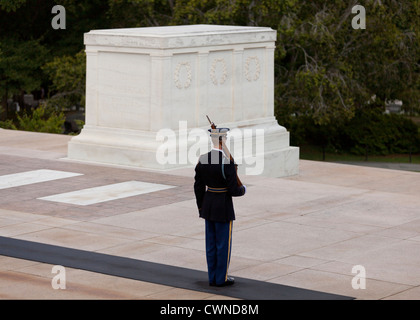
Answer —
34 176
141 81
105 193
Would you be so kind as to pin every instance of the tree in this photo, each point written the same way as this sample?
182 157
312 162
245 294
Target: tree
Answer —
140 13
28 42
242 12
11 5
68 76
20 63
329 69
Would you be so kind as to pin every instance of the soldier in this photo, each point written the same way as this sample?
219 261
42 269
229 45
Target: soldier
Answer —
215 185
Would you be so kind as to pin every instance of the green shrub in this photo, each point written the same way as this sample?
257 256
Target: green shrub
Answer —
8 124
381 134
370 130
42 119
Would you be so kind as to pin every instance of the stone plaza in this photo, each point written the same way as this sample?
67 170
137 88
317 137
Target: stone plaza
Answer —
305 231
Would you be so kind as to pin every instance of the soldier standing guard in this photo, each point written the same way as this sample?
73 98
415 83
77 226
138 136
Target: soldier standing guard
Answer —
215 185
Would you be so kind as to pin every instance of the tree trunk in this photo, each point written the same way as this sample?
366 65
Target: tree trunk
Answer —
5 109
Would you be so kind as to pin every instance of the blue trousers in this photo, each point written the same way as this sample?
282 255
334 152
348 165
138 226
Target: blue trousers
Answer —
218 249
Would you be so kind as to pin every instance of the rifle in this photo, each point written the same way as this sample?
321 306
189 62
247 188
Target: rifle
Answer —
226 151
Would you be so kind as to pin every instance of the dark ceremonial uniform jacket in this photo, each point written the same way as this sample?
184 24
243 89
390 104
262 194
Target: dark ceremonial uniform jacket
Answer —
215 202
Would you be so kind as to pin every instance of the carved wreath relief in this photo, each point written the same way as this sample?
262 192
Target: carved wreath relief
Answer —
255 62
183 72
179 82
222 79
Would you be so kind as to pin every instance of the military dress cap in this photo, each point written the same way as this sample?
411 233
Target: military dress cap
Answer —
219 132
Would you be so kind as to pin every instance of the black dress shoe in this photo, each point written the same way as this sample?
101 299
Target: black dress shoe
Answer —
230 281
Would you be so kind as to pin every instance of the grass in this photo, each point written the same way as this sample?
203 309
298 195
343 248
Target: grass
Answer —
308 152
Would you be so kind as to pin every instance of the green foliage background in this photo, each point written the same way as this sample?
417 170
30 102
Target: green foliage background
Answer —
326 73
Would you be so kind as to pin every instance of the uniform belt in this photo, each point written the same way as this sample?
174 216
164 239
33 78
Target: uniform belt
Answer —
217 190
